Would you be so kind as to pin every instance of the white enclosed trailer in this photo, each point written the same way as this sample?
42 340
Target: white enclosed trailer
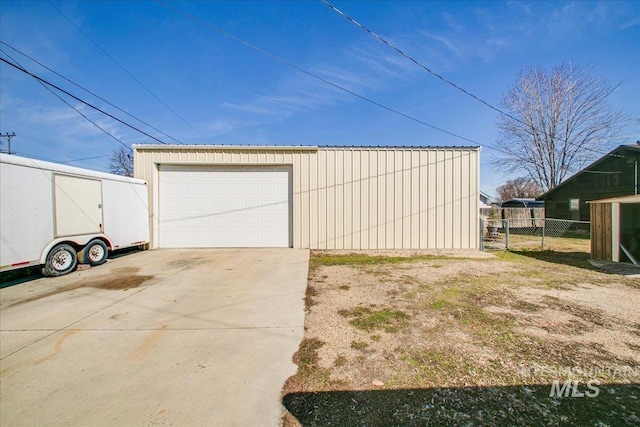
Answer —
56 216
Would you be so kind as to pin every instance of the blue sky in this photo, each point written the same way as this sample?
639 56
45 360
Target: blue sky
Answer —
199 86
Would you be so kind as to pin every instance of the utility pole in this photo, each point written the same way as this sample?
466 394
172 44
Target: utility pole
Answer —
8 136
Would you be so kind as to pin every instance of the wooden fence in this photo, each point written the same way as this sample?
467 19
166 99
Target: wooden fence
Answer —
518 217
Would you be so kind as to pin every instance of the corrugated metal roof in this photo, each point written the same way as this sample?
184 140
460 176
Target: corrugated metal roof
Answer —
299 147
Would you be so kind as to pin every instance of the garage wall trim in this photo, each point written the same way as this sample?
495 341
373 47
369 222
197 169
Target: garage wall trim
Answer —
350 197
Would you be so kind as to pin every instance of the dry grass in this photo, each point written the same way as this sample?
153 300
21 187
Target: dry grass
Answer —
463 327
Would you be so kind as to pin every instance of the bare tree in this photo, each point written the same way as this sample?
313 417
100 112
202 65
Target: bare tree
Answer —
560 121
121 162
519 188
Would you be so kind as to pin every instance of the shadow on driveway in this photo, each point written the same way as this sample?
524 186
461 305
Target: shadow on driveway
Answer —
28 274
614 405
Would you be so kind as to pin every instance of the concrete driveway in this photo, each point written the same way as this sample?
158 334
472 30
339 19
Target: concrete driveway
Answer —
168 337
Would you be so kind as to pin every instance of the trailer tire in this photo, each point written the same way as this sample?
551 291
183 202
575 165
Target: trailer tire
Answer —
62 259
95 253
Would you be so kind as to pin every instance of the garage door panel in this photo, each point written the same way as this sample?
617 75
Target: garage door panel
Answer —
206 206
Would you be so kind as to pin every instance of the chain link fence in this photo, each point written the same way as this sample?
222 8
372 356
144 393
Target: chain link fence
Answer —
539 233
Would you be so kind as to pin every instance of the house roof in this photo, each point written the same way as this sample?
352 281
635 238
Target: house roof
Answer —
622 199
617 152
483 194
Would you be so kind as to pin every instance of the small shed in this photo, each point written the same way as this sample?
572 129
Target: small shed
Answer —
615 229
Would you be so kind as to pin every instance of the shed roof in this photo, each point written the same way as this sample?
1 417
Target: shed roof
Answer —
622 199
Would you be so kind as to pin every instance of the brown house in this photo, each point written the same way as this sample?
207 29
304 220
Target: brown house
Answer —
614 175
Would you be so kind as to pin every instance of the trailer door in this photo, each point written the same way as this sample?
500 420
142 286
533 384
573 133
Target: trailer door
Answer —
78 205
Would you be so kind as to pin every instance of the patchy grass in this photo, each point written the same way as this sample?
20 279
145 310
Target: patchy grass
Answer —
310 374
359 345
467 341
310 293
368 320
359 259
340 361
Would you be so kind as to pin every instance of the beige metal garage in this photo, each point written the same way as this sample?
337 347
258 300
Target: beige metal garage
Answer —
311 197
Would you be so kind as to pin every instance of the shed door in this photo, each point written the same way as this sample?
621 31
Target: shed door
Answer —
214 206
78 205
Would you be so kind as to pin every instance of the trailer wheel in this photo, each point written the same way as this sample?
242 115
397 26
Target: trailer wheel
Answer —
95 253
62 259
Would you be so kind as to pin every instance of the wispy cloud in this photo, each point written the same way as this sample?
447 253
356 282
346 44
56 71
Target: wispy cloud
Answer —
600 16
359 68
369 68
52 127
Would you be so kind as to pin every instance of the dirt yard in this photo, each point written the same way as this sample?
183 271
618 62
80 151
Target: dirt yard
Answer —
467 338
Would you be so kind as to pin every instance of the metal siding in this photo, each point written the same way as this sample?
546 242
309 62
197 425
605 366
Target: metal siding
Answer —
365 188
322 201
373 199
331 201
297 202
349 207
448 199
393 202
422 190
356 198
415 235
339 200
383 214
396 188
456 202
465 231
356 186
407 227
431 199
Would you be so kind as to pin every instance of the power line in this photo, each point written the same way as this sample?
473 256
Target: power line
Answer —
84 158
47 83
449 82
19 67
49 143
310 74
8 136
127 72
88 91
415 61
63 161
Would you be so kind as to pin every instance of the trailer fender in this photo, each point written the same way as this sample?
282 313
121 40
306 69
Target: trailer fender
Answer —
78 241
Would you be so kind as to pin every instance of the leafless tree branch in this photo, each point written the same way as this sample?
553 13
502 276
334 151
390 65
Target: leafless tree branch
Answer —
560 121
121 162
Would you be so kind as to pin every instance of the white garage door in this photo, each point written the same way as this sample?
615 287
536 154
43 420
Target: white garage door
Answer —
206 206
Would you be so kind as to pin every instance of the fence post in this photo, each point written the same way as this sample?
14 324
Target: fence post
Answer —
544 225
506 236
481 236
